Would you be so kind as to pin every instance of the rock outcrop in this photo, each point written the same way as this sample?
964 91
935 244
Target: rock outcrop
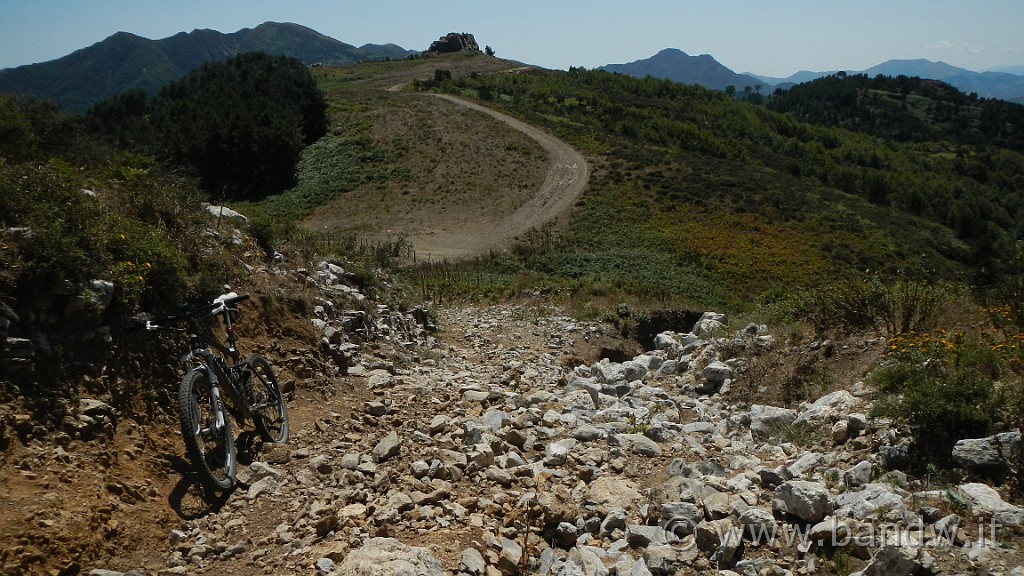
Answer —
454 42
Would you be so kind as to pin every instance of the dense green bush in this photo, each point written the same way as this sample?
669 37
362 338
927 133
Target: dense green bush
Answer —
59 222
943 388
240 124
33 129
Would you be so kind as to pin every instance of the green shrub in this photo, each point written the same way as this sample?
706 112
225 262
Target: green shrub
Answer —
803 435
887 306
62 223
943 388
119 216
34 130
146 264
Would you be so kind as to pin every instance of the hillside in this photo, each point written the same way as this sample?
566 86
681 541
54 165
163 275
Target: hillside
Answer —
837 201
904 109
124 61
464 224
672 164
1001 85
704 70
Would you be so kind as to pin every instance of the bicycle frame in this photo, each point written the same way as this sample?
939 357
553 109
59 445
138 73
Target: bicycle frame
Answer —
217 369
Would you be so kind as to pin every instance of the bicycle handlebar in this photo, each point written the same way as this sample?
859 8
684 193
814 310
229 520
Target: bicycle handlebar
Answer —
219 305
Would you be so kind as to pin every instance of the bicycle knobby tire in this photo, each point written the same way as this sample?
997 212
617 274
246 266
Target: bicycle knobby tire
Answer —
269 411
211 450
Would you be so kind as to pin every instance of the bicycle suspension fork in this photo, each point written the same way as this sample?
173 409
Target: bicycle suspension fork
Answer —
211 368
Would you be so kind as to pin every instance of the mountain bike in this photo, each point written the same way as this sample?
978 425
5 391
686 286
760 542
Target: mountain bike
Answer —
249 385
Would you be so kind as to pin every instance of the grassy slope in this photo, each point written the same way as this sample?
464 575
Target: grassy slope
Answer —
423 164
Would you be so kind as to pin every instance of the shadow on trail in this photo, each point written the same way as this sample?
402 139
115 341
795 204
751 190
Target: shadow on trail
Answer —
191 498
247 446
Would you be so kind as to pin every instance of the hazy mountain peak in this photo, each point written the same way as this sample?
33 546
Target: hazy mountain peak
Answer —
678 66
1000 85
916 67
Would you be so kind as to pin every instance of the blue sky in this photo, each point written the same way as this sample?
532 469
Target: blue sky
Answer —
770 37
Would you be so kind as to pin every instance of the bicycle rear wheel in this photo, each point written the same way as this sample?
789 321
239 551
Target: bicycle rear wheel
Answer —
270 414
210 448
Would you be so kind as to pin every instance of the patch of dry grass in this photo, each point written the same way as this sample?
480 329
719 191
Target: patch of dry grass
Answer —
460 168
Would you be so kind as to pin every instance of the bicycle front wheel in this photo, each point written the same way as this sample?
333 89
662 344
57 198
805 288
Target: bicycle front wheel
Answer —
270 414
211 448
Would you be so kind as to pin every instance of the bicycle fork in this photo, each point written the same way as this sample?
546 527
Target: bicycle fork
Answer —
220 424
216 401
218 404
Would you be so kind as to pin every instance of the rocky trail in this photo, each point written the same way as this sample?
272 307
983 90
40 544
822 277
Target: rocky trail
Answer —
503 444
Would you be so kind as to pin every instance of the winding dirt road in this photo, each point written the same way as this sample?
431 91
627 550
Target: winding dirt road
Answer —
565 181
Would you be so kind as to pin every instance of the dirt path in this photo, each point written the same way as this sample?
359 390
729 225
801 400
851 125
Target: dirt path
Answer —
566 180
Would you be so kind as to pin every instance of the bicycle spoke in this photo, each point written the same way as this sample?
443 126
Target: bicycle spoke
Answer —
268 406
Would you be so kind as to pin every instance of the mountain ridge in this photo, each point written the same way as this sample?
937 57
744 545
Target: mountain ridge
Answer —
124 60
678 66
987 84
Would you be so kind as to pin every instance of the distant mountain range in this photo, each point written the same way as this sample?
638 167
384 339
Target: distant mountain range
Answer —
1018 70
125 61
1001 85
678 66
